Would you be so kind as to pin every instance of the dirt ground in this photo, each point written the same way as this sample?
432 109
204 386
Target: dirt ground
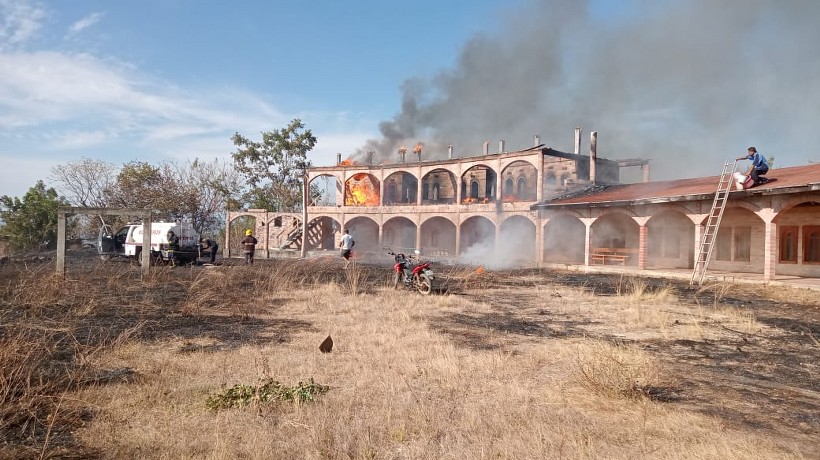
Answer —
763 378
767 379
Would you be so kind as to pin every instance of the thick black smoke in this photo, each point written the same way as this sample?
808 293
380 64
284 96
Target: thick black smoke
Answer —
684 83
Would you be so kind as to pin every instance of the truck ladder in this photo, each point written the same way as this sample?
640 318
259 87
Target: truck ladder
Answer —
707 240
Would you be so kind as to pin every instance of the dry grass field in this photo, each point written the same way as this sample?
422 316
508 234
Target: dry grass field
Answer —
224 363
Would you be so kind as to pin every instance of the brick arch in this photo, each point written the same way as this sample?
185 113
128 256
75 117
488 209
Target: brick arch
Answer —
745 205
478 234
754 209
631 214
791 202
339 175
397 234
279 215
565 212
516 239
507 163
509 216
451 219
437 236
328 195
466 170
365 231
675 209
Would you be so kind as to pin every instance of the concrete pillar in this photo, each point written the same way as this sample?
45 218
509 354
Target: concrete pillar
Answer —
498 180
226 252
418 186
61 243
593 155
539 177
643 232
146 244
262 232
588 241
418 236
645 171
770 251
700 229
577 141
458 238
381 190
539 242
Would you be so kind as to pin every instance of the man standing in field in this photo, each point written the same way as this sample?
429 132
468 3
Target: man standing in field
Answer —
347 246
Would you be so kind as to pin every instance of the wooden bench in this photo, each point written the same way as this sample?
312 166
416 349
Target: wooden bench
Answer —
601 256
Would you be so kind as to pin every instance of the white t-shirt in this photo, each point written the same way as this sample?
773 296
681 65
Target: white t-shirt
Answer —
347 241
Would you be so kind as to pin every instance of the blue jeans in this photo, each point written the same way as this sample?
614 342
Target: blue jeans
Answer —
756 173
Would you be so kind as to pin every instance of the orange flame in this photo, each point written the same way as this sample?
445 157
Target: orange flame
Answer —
348 162
360 190
479 270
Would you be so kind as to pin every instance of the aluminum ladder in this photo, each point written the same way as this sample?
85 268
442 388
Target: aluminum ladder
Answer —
707 241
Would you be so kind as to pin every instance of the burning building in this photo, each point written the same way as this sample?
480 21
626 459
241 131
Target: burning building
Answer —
541 206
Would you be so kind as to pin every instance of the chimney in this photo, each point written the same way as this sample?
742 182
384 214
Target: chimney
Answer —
338 158
593 154
577 141
370 157
486 147
645 171
450 152
536 140
501 146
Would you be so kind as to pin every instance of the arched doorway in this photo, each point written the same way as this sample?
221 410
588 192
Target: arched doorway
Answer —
564 240
516 242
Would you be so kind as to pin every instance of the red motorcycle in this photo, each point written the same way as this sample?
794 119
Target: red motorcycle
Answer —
411 272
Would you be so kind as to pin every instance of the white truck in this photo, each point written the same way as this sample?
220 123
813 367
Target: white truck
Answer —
127 242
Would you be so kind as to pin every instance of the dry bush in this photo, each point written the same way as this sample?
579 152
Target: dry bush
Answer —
616 370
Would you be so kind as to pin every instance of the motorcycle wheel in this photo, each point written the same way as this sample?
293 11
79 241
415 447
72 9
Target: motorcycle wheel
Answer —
396 280
424 284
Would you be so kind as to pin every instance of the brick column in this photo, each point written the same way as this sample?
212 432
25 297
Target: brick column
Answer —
770 251
458 239
643 231
539 242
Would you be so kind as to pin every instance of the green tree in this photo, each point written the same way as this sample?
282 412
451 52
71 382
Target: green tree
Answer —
31 223
142 185
274 167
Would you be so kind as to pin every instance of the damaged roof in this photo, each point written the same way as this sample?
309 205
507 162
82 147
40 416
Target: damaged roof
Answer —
782 180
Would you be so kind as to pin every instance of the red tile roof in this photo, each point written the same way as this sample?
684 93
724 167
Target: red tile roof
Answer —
782 181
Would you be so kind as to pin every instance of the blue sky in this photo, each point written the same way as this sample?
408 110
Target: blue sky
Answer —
173 79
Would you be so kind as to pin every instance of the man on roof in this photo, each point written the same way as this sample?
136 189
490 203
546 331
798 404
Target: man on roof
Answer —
758 168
